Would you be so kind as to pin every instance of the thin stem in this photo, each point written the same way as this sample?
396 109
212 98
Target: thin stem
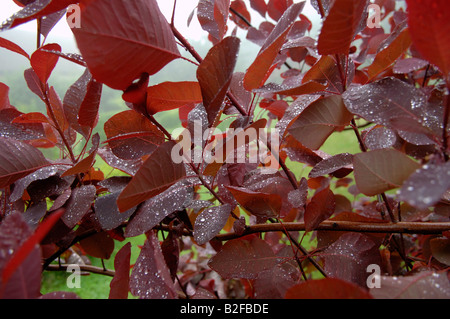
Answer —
88 268
38 33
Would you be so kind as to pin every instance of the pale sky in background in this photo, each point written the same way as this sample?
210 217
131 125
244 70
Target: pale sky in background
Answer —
184 8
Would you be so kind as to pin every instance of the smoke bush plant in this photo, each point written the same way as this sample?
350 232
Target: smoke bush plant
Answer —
241 226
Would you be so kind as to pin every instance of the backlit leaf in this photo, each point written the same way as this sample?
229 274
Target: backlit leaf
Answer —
43 62
9 45
381 170
171 95
156 174
213 17
269 51
258 203
319 120
430 31
120 283
215 74
340 26
115 29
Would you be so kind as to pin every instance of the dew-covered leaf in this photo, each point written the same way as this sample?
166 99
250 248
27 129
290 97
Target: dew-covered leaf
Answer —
422 285
213 17
395 104
210 222
258 70
107 212
150 277
426 186
328 288
348 258
215 74
120 283
78 204
156 174
34 10
24 283
129 167
114 28
319 120
320 208
131 135
379 137
338 165
17 160
381 170
243 258
154 210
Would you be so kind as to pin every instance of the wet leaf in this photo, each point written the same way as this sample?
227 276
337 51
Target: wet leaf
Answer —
171 95
242 258
258 203
78 204
17 160
348 258
426 186
150 277
213 17
423 285
210 222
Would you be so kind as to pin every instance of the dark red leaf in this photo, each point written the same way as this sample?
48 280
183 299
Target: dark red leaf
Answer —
78 204
152 43
44 62
154 210
121 281
215 74
240 7
150 277
258 203
29 245
242 258
107 212
210 222
260 6
328 288
88 112
320 208
339 165
348 258
131 135
99 245
156 174
276 8
430 31
17 160
422 285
